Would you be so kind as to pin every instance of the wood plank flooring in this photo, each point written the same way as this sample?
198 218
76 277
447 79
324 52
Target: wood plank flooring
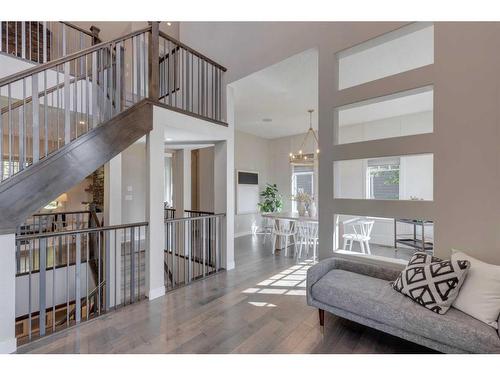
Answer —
259 307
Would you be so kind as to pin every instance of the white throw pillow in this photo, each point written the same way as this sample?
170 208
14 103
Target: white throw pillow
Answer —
480 293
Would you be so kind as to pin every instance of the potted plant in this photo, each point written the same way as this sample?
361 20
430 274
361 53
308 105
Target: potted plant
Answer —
271 200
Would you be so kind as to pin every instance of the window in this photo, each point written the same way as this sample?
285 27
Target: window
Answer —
401 114
401 50
382 179
302 181
405 177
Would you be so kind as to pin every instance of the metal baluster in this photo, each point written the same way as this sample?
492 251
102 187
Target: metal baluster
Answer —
54 286
75 96
42 262
94 89
9 105
15 40
107 267
64 39
87 266
115 271
98 272
67 283
45 114
132 266
44 42
204 222
139 265
35 117
22 131
29 287
144 66
118 92
23 40
87 94
78 300
102 86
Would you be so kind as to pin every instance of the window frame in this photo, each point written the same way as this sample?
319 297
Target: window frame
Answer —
294 185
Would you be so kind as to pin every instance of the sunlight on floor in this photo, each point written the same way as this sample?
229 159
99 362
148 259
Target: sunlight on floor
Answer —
290 282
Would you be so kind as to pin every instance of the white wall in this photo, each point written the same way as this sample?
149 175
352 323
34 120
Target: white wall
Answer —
134 183
181 174
206 179
7 293
465 79
252 153
269 157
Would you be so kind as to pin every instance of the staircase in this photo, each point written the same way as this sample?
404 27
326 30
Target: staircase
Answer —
62 119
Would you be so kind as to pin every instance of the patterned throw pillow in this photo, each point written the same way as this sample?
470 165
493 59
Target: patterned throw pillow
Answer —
432 282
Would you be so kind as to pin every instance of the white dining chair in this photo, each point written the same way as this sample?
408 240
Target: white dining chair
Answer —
308 238
267 228
362 230
284 230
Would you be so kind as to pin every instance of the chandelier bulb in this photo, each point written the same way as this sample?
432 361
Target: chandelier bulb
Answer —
300 152
317 150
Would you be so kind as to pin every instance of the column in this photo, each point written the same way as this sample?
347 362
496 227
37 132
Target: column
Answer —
155 160
8 293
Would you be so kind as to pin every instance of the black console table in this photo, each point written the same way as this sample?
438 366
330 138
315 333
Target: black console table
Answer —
420 243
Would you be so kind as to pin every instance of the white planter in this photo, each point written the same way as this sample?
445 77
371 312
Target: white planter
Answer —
312 209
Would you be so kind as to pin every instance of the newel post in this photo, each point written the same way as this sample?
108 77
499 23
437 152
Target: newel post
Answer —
154 61
95 34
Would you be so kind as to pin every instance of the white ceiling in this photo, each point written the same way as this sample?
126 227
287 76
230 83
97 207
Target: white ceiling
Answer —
282 92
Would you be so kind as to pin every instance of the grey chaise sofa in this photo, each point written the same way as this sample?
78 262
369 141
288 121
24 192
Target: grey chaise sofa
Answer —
361 292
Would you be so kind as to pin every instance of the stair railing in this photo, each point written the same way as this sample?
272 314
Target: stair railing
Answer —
189 81
107 276
48 106
193 248
45 41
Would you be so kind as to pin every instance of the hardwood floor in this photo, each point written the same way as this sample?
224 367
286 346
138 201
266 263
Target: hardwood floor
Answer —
259 307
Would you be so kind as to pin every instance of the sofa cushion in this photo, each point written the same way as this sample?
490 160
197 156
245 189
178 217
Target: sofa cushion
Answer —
375 299
480 294
432 282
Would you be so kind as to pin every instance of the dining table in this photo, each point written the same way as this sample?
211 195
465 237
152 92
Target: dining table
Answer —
292 216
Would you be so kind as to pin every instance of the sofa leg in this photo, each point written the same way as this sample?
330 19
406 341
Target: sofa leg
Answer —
321 317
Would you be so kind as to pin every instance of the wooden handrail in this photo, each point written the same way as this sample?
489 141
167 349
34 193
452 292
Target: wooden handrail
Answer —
51 64
194 52
78 28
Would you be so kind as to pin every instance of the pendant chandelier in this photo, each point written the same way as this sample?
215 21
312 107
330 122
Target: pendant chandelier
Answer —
306 158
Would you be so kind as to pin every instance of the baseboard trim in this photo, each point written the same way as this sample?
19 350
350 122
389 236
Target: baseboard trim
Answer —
155 293
8 346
